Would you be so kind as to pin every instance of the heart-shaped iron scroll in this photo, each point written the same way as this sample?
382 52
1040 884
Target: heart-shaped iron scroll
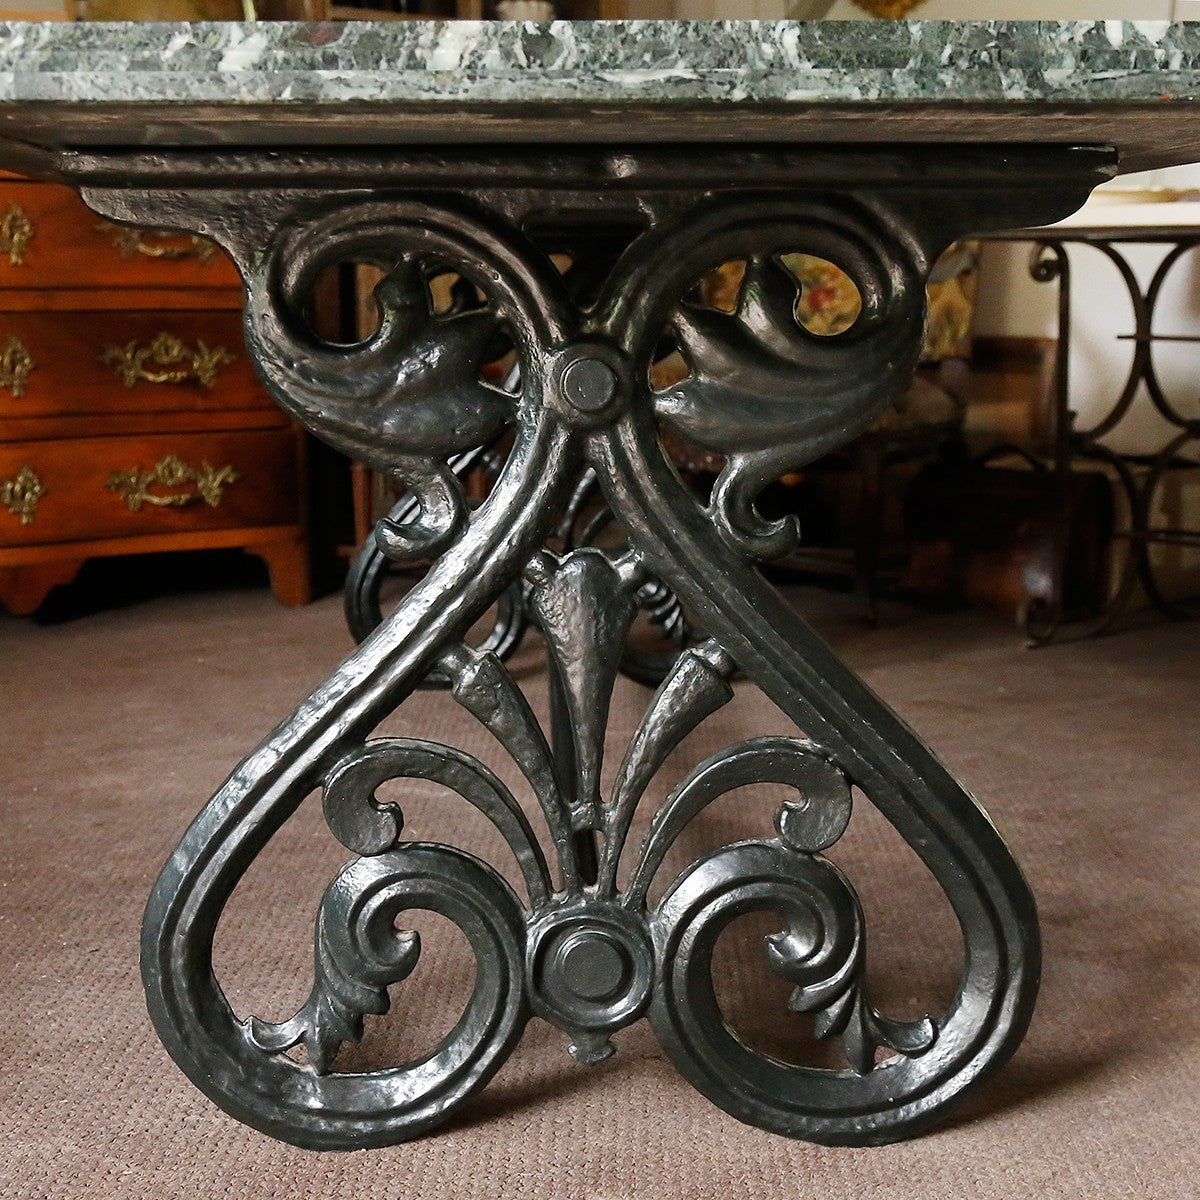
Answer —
583 946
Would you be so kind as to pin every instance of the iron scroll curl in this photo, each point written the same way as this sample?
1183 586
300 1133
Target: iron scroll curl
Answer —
705 556
241 1063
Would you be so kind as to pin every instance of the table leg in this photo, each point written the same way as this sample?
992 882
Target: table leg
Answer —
582 946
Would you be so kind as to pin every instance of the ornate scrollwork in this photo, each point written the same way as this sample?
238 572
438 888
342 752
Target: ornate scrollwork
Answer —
585 948
359 953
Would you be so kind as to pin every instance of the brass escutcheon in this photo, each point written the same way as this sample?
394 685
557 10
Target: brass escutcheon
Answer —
21 493
15 365
15 231
171 472
166 359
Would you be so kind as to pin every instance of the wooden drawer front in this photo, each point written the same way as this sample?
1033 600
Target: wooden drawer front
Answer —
50 239
56 491
86 363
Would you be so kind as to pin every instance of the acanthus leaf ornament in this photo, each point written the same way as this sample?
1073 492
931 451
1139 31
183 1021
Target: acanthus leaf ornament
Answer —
356 960
763 390
584 941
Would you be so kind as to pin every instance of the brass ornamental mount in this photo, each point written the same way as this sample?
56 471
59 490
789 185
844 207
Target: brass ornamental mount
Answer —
15 231
205 483
158 243
21 493
15 365
166 359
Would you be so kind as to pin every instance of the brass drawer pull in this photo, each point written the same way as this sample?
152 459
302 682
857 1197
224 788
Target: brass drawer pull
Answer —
209 484
15 231
15 365
158 243
21 493
166 359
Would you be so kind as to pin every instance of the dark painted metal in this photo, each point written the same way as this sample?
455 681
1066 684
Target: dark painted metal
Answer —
648 664
583 519
361 595
582 945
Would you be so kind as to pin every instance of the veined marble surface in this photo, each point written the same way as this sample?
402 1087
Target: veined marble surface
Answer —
615 62
1132 86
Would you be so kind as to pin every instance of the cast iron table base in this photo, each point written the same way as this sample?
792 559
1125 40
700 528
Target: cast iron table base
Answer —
580 945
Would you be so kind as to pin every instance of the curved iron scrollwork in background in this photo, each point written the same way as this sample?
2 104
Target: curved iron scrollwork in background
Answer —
581 944
1141 476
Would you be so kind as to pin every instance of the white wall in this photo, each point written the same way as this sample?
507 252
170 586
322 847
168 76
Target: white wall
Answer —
947 10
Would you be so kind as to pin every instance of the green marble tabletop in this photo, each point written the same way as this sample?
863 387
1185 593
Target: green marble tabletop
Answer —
1131 85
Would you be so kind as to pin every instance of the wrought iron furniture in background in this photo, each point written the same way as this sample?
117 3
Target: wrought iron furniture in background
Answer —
291 166
1141 475
130 417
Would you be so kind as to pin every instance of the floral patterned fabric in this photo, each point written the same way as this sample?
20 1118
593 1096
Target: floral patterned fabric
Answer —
830 302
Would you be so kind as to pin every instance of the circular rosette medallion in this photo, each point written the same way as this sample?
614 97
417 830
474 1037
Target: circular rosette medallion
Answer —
589 972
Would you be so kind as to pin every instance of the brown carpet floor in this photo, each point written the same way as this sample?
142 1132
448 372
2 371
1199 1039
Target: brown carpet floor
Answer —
117 726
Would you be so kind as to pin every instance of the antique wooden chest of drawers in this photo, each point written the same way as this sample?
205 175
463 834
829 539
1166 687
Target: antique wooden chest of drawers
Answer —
130 419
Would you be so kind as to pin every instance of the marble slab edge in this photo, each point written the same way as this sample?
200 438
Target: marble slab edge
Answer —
1131 85
602 61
